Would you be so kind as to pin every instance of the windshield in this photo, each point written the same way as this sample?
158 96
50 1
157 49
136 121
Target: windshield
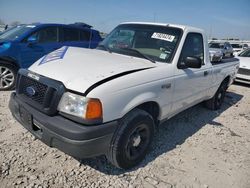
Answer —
215 45
16 32
156 43
245 53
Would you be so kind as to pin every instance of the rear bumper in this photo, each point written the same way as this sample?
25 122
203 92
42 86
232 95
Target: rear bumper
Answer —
77 140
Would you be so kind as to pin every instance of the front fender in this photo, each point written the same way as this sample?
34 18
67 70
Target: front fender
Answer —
138 100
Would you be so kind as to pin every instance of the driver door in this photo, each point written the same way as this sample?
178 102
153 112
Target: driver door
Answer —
191 84
46 42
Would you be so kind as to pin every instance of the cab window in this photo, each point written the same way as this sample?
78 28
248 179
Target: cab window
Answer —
193 47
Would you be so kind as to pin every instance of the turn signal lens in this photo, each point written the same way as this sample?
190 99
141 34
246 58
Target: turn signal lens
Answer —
94 109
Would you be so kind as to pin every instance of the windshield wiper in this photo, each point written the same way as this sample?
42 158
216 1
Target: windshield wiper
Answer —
139 53
104 47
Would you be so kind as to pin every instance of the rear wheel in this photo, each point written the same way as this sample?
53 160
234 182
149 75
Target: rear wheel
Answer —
217 100
132 140
7 77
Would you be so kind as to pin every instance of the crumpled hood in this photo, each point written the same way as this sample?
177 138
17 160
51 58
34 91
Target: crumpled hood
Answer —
80 68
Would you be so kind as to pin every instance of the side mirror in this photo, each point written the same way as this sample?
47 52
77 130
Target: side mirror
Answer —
32 40
193 62
190 62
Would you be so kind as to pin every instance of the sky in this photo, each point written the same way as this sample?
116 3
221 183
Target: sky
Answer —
219 18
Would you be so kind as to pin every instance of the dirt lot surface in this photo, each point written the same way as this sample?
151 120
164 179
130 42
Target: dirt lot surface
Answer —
197 148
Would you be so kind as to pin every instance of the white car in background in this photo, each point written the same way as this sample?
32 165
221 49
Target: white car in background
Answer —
238 48
243 74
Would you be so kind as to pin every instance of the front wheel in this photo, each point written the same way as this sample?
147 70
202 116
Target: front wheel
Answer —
132 140
7 77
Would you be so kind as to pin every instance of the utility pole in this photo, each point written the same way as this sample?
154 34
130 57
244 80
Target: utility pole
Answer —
210 32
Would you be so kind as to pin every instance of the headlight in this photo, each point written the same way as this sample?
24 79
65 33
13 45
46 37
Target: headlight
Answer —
80 106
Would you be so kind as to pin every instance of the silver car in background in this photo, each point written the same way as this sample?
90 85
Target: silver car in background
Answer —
218 51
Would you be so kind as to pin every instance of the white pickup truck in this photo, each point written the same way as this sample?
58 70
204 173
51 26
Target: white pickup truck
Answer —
110 100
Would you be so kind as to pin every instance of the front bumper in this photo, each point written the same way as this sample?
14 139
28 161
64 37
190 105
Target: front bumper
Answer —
242 78
80 141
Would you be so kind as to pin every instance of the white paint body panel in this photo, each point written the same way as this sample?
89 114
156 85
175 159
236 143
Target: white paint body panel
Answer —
81 68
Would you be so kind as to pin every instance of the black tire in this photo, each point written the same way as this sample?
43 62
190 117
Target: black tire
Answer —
232 55
217 100
132 139
8 74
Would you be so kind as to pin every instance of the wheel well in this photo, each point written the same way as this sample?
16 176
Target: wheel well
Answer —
152 108
10 62
226 80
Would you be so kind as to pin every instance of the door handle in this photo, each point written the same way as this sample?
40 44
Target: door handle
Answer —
205 73
166 86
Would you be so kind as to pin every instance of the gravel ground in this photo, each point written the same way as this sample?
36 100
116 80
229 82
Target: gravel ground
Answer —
197 148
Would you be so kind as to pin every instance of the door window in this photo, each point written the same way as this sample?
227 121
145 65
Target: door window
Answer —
193 47
70 34
84 35
45 35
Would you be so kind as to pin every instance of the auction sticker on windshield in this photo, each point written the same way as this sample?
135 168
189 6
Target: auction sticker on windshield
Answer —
163 36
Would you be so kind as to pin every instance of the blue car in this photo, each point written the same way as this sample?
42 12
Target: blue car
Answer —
22 45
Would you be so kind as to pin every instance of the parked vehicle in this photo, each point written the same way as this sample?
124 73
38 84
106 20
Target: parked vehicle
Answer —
24 44
110 100
237 48
245 46
243 74
215 55
220 50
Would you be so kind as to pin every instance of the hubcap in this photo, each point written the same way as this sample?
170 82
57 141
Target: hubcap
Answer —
219 96
138 142
6 77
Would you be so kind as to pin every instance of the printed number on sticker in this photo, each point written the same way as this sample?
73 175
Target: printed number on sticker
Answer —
163 36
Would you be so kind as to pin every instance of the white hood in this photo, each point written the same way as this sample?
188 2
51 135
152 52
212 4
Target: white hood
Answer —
80 68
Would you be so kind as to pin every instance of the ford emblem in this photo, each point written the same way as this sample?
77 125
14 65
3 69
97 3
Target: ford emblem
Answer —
30 91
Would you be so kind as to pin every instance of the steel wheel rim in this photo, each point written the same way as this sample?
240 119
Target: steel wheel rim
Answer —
135 148
6 77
